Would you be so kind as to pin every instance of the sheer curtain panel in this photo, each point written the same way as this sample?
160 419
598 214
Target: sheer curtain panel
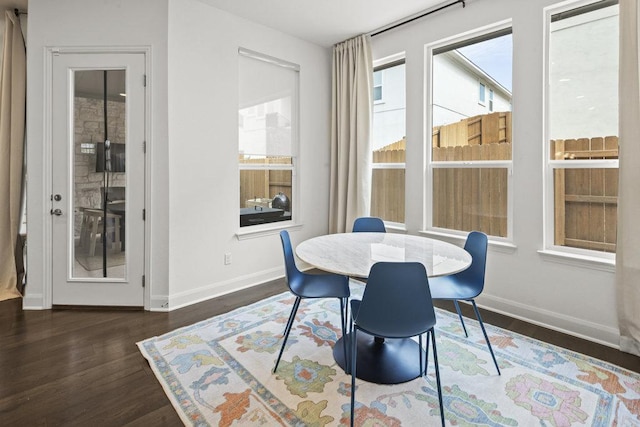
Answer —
350 191
628 253
12 121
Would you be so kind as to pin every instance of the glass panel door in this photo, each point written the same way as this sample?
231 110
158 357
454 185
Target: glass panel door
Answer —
99 179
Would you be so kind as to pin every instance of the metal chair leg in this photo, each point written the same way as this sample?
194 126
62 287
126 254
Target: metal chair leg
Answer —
455 302
435 362
486 337
422 371
287 329
354 350
343 313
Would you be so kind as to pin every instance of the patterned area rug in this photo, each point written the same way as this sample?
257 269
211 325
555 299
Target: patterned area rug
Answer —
219 372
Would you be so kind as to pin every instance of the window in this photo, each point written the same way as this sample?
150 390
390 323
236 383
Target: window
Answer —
377 86
582 132
267 138
388 144
490 100
470 163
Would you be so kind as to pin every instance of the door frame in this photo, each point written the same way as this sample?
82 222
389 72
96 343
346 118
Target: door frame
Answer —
50 51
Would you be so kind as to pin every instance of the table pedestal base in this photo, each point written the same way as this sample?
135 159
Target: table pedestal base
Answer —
389 361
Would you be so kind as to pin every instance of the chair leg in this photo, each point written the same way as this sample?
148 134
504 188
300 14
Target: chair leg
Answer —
486 338
422 371
354 350
343 313
435 362
287 329
426 355
455 302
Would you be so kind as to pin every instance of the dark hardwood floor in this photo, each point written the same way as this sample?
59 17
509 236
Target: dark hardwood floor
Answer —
82 367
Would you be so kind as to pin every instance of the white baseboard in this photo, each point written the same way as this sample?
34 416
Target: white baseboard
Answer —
214 290
33 302
159 303
580 328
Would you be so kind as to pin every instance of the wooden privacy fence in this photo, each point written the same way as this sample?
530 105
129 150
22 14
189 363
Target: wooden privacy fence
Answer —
471 198
478 130
463 198
387 185
586 200
264 183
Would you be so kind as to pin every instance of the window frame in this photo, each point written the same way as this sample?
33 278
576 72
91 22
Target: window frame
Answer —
428 175
482 93
580 256
379 65
381 86
272 227
491 100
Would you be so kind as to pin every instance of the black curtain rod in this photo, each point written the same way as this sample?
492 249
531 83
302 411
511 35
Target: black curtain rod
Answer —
19 12
419 16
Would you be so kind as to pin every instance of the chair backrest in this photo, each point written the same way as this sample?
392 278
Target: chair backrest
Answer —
293 275
369 224
396 301
473 276
114 194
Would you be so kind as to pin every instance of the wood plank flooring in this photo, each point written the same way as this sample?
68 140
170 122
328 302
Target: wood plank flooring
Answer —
82 368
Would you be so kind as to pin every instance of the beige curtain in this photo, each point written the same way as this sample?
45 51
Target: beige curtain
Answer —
12 121
628 244
350 191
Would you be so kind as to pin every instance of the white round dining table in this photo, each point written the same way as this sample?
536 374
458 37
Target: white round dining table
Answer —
382 361
353 254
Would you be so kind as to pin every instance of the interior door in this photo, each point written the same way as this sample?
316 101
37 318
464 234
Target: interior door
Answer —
98 164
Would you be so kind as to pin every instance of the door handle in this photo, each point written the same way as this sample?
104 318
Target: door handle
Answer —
56 212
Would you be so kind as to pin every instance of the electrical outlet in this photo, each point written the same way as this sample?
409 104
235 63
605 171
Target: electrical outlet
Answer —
227 258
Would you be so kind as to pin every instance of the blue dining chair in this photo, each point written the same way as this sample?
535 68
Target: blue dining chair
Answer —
467 284
304 285
395 304
369 224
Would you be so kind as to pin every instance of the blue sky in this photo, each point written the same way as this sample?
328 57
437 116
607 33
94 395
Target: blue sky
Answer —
494 56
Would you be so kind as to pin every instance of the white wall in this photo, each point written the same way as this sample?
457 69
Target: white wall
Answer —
193 79
203 134
94 23
520 281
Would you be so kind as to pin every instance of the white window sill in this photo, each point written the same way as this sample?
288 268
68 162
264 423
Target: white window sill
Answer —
576 260
253 231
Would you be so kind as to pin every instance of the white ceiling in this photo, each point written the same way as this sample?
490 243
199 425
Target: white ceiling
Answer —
324 22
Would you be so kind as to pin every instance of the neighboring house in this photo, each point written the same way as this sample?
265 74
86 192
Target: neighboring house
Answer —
259 131
594 113
389 100
461 78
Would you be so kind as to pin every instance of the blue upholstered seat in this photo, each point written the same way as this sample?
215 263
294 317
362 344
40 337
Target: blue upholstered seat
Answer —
369 224
304 285
468 284
396 304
